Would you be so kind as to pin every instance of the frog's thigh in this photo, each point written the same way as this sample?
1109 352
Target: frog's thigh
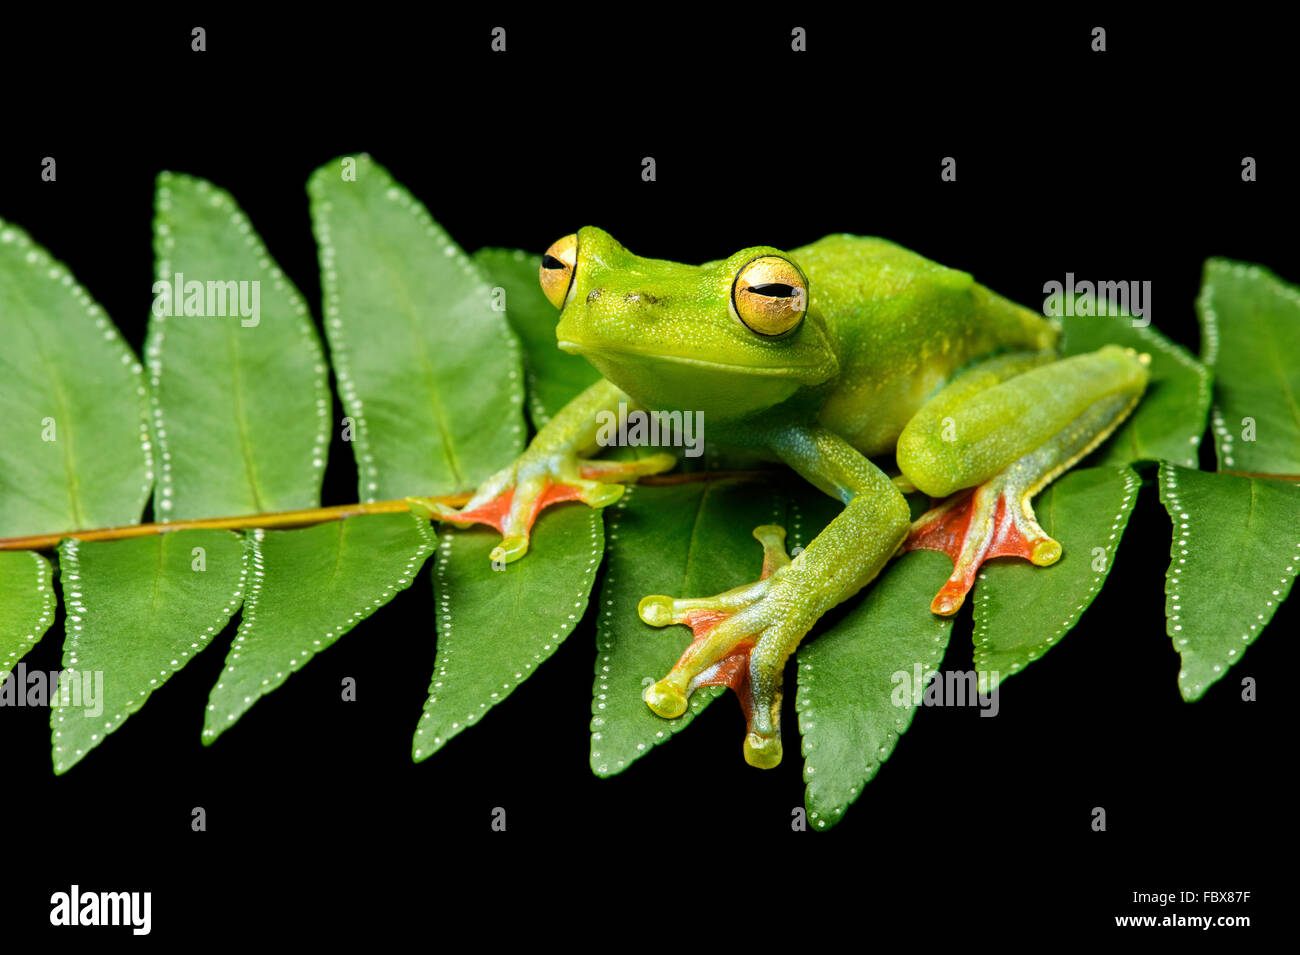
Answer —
1018 407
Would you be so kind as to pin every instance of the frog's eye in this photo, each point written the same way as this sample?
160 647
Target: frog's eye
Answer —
770 295
557 270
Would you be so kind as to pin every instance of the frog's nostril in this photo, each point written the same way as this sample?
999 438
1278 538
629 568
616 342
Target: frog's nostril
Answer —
593 295
641 298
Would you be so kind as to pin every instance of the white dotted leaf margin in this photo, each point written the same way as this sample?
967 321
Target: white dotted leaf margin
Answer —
1020 610
307 588
860 682
1169 421
1234 556
241 405
138 610
554 377
26 607
428 369
497 623
75 451
684 540
1250 327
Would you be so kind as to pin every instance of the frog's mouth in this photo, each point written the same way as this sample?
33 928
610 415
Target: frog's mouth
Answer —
721 389
590 352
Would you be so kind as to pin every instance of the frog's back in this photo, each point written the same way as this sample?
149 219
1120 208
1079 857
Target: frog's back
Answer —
902 326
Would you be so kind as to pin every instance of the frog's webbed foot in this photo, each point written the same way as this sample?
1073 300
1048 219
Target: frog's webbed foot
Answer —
975 525
1062 410
739 641
511 499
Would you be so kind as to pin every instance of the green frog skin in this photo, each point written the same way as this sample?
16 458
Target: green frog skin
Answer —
820 357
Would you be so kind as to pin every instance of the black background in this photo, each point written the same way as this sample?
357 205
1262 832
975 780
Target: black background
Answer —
1122 165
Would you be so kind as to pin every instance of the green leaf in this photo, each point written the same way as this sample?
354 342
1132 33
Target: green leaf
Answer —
1170 420
1250 324
428 370
307 588
851 701
26 604
138 611
1235 554
684 540
241 404
496 625
74 426
1021 611
554 378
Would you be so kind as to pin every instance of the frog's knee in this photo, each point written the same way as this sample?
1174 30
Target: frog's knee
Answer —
896 513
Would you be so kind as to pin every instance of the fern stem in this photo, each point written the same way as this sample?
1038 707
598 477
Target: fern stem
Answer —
321 515
303 518
1264 475
317 515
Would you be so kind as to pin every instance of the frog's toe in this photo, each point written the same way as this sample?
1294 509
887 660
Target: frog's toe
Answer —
696 612
727 629
607 471
665 700
510 549
763 750
658 610
971 527
595 494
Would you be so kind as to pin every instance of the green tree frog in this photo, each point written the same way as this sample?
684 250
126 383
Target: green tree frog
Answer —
822 358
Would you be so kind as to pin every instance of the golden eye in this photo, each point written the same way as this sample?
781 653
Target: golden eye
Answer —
557 269
770 295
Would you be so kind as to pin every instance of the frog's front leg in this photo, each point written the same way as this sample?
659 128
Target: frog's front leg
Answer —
550 471
743 637
995 437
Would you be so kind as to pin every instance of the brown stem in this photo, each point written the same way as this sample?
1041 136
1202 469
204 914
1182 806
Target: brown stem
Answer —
658 480
316 515
1263 475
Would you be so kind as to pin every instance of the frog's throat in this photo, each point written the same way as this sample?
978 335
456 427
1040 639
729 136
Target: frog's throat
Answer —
809 372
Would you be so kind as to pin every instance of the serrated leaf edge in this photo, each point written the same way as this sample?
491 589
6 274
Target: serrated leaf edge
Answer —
248 620
1210 332
700 699
1178 545
367 472
1204 378
980 634
826 818
45 587
444 614
536 412
164 243
38 257
70 571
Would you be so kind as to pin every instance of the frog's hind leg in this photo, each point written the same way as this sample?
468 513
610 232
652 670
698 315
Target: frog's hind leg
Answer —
998 435
992 520
744 637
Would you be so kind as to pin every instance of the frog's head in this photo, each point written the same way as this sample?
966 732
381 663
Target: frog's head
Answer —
728 337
